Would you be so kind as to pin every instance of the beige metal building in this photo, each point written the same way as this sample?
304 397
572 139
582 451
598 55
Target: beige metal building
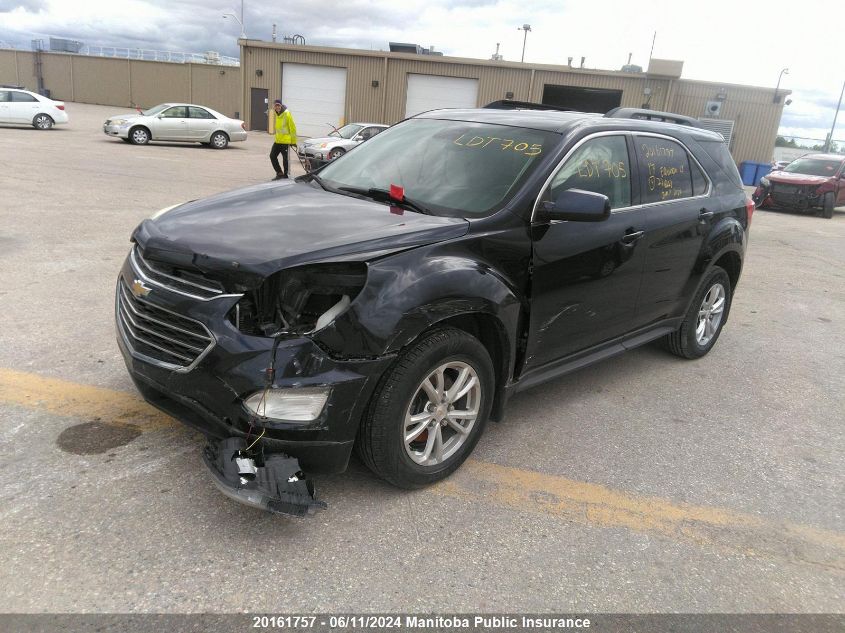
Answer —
124 82
331 86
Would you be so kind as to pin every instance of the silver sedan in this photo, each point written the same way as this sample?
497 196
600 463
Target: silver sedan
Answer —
176 122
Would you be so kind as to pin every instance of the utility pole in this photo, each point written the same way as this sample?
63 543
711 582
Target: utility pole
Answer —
835 116
526 28
239 20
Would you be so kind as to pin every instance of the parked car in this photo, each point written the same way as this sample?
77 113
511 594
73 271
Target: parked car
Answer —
812 182
176 122
315 152
23 107
396 300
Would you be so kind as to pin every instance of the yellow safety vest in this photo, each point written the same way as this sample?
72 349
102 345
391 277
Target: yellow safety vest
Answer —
285 127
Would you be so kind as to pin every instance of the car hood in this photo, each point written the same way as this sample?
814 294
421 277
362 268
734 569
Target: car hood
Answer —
796 179
244 235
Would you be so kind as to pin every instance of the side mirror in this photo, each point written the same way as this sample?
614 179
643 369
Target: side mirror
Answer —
577 205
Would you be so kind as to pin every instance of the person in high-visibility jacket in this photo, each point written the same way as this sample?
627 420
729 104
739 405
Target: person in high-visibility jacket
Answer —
285 131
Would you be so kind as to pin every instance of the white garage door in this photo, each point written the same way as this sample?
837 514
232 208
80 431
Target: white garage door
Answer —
315 95
428 92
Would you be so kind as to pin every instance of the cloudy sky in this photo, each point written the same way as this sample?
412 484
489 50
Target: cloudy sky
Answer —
719 40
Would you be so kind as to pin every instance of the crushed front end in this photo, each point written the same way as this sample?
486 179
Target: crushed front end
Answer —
238 364
799 197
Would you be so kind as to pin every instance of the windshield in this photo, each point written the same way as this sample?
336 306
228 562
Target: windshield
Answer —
454 168
813 167
347 131
156 110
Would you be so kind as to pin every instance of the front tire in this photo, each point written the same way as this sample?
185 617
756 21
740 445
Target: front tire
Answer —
139 136
428 410
707 315
42 122
219 140
337 152
828 204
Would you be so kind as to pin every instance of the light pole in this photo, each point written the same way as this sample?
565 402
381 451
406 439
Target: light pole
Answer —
239 20
783 72
835 116
526 28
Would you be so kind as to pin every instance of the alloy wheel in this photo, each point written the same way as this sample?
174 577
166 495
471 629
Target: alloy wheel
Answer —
441 414
710 314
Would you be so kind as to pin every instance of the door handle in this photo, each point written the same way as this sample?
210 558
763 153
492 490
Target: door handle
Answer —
704 214
630 238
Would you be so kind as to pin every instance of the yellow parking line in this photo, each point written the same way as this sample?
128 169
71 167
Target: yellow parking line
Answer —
593 504
514 488
72 399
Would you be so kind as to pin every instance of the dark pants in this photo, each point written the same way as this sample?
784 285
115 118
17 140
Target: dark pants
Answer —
279 148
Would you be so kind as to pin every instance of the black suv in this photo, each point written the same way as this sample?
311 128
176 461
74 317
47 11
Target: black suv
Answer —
394 300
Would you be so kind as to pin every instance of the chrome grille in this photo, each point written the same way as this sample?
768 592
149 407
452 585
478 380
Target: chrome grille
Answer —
181 281
158 335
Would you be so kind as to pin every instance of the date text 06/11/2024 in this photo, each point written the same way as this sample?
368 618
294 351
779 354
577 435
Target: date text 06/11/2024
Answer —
420 622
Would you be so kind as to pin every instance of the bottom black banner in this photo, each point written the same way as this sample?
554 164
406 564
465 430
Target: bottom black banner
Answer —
424 623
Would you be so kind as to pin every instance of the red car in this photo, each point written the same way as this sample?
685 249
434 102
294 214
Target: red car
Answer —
810 182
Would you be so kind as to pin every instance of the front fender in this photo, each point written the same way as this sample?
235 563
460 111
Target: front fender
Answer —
408 293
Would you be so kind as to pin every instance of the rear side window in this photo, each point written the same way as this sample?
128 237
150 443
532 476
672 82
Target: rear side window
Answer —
699 180
600 165
4 96
199 113
664 169
22 96
718 151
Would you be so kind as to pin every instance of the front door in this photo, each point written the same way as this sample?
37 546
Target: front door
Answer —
172 125
586 275
259 109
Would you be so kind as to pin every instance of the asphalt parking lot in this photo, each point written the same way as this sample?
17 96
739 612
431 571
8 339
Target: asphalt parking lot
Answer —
644 484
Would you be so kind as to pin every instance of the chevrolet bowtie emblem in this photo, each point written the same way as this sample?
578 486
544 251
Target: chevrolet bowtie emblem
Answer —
139 289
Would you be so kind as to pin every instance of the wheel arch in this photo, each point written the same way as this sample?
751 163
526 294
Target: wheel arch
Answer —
141 125
490 331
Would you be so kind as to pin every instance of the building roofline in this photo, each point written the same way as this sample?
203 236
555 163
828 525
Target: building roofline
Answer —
447 59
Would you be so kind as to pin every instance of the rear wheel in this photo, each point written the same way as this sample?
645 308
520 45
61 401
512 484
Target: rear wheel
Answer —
706 316
219 140
139 135
828 203
42 121
428 410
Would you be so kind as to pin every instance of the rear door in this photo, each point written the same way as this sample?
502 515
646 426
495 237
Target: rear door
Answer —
675 194
23 107
5 114
586 275
201 123
172 125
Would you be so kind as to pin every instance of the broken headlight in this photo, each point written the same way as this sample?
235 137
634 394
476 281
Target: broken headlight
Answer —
299 300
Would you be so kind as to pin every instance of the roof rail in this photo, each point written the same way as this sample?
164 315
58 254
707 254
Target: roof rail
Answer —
652 115
510 104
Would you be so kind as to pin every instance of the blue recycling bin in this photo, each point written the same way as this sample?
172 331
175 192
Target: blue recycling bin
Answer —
763 169
748 171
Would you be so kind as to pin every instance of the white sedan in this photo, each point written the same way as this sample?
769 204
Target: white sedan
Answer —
22 107
176 122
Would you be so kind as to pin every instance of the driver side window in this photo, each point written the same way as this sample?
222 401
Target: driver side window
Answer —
600 165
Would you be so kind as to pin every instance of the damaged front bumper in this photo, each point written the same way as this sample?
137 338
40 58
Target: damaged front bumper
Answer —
187 359
274 482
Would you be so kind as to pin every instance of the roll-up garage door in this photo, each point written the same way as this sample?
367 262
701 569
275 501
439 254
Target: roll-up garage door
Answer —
430 92
315 95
